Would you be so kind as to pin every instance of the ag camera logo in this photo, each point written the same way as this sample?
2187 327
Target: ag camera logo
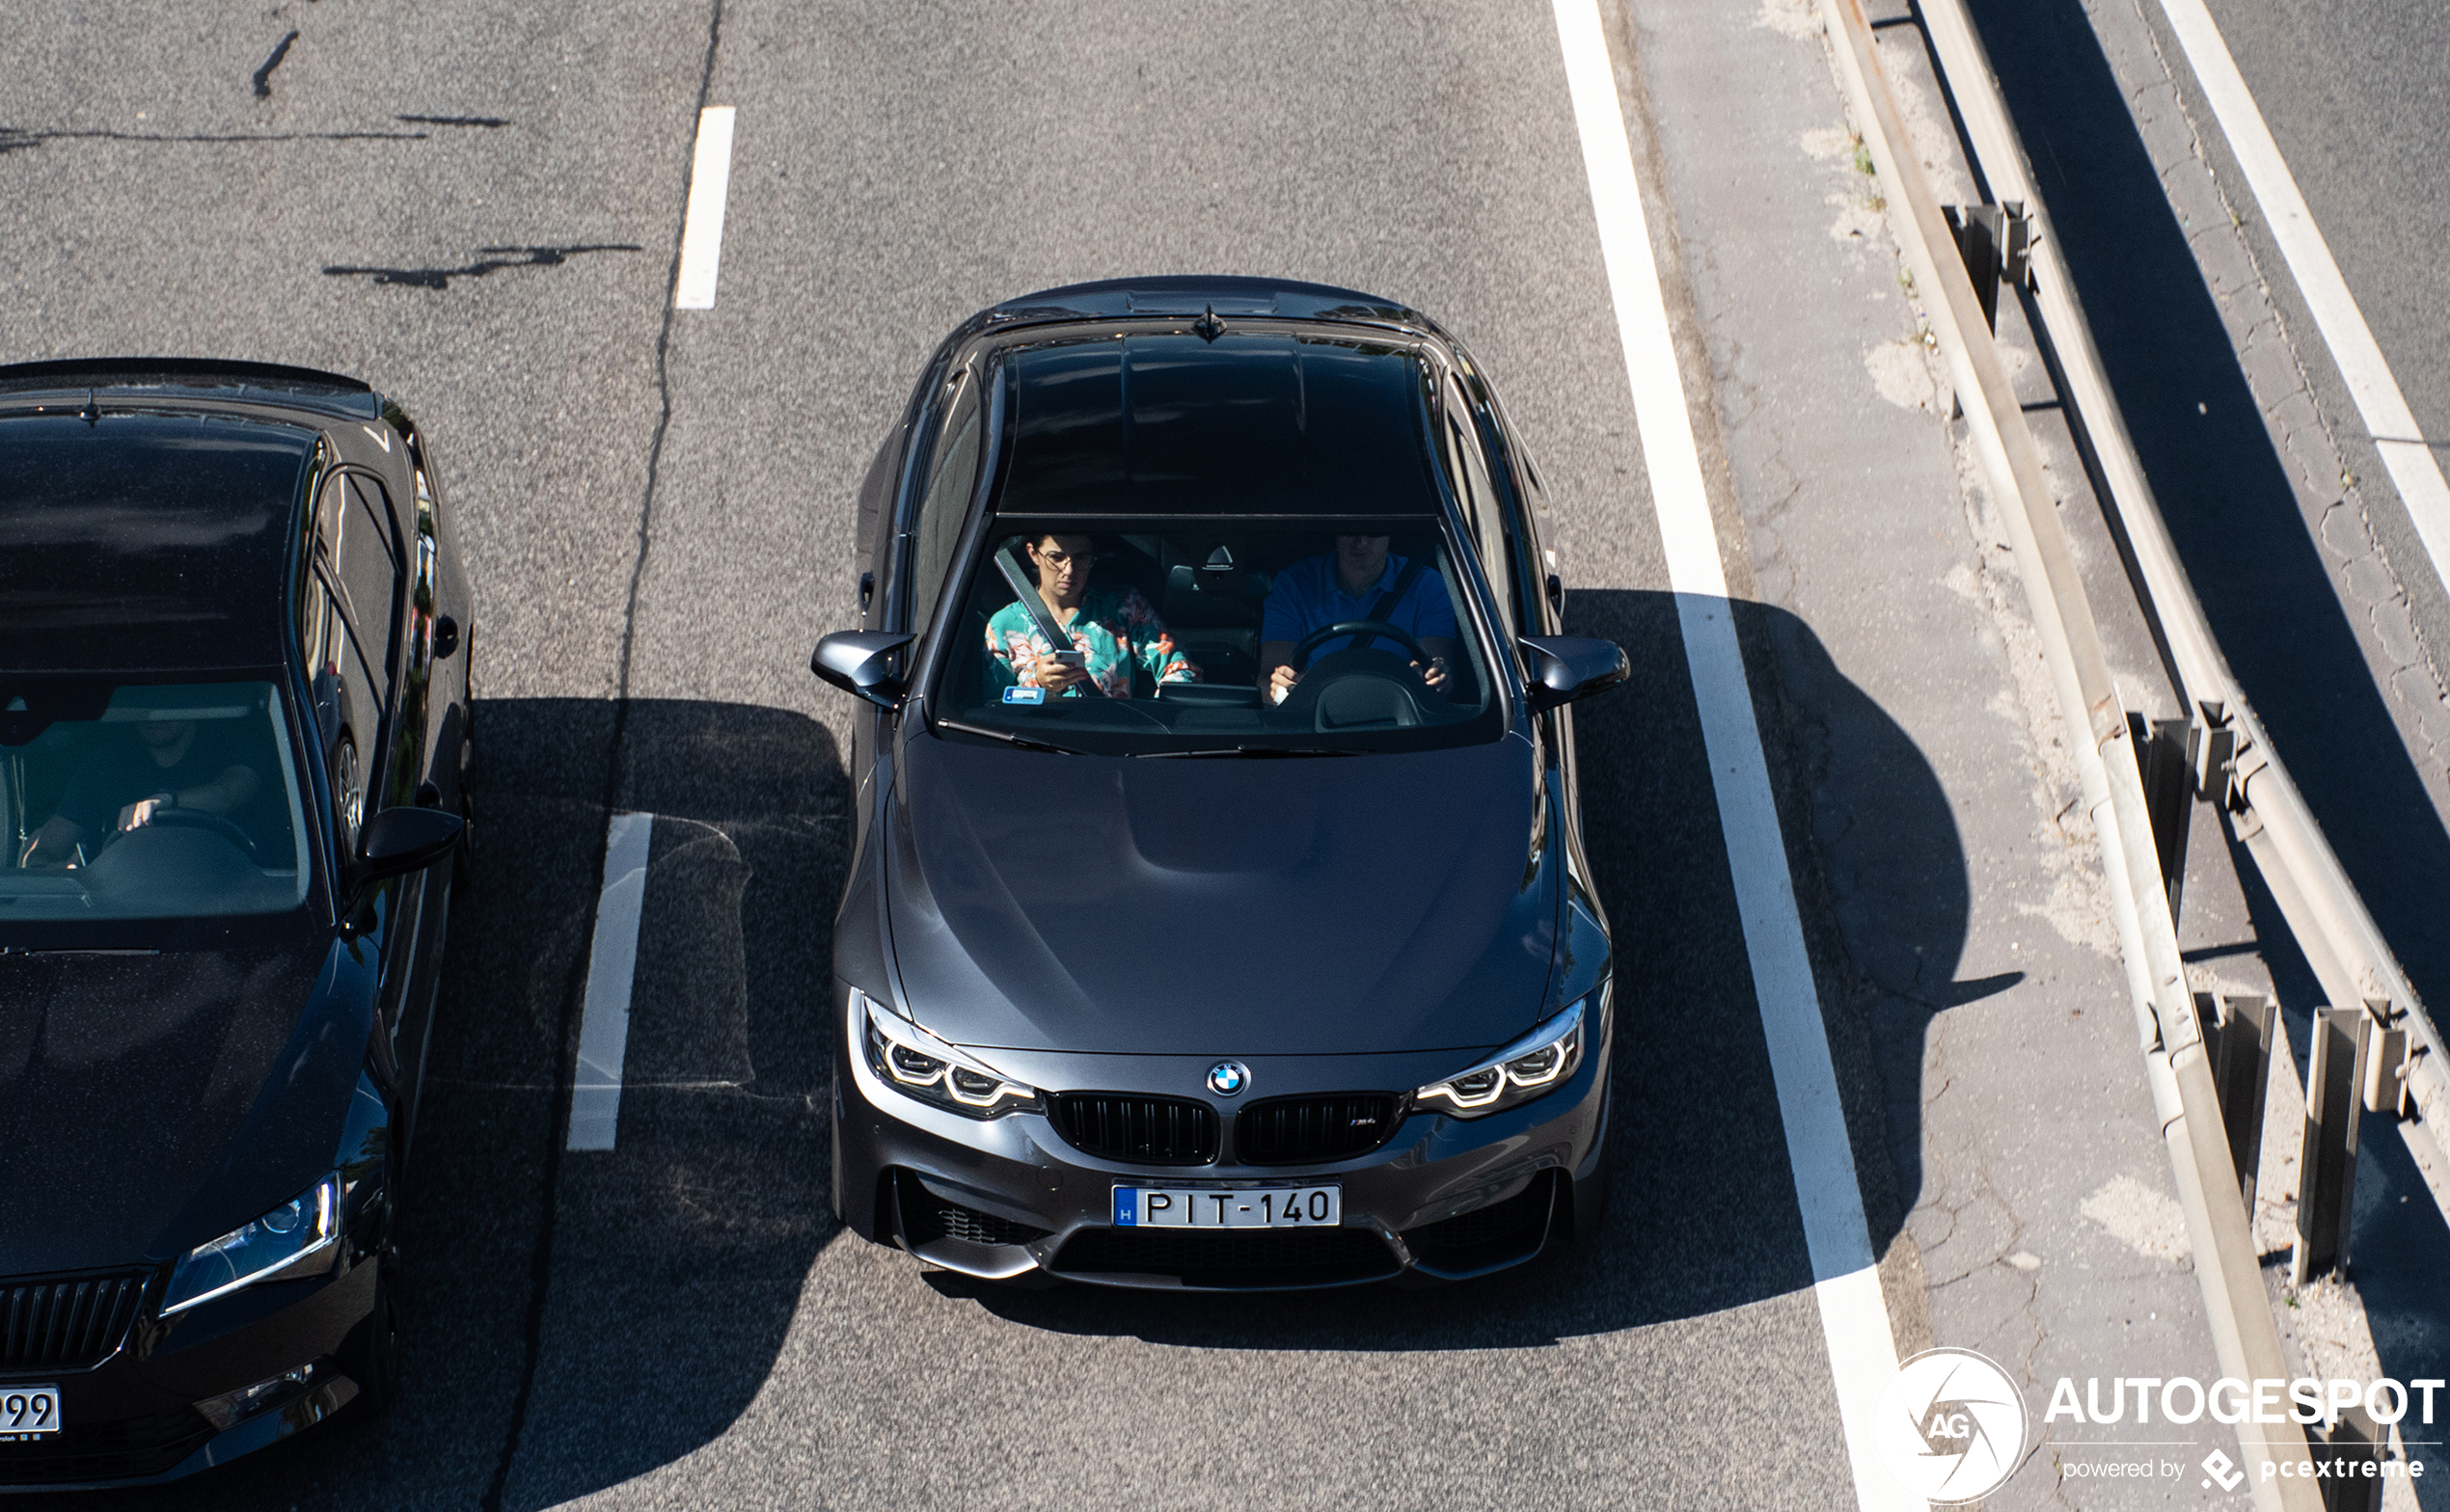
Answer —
1950 1428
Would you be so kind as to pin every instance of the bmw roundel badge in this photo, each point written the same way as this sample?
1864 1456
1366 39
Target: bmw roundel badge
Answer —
1227 1077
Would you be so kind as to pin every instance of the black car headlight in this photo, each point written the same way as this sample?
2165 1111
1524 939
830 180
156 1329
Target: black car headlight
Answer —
1532 1066
304 1225
918 1065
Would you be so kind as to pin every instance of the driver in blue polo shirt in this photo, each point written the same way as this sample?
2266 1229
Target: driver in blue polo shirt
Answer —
1347 583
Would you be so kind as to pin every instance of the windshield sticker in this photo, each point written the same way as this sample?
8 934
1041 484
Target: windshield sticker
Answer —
1024 695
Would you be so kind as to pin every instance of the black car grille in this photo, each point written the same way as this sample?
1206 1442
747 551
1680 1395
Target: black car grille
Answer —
1298 1131
130 1448
65 1323
1148 1131
926 1218
1231 1258
1498 1234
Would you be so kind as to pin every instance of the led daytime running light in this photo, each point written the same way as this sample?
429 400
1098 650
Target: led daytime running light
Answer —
913 1060
1531 1067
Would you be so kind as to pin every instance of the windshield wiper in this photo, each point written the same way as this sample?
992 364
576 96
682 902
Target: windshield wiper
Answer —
1257 750
1023 741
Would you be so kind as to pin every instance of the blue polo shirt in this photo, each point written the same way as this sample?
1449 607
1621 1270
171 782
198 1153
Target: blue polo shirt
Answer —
1308 595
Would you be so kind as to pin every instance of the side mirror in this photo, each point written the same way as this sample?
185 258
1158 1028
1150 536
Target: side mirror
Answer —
860 662
402 840
1567 667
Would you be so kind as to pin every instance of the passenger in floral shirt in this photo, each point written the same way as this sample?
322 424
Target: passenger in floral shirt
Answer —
1112 628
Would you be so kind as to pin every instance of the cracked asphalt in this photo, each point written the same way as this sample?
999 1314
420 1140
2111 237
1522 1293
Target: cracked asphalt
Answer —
478 211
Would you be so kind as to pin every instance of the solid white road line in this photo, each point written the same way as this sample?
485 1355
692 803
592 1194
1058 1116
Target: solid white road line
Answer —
604 1024
1854 1318
702 228
2413 469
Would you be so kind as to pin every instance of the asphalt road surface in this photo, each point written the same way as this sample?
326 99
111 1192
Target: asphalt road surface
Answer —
479 210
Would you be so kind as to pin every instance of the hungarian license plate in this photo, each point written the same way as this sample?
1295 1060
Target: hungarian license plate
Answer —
1234 1207
28 1411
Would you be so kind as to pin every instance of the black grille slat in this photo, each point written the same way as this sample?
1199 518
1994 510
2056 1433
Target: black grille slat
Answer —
66 1324
1308 1130
1231 1258
1145 1130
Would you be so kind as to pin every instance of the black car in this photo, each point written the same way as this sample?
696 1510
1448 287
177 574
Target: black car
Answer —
233 712
1217 916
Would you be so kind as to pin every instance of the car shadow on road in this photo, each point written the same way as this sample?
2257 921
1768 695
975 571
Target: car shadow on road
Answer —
555 1296
1704 1216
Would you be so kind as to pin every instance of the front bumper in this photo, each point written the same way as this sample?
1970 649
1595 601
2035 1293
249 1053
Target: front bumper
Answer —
1009 1198
132 1419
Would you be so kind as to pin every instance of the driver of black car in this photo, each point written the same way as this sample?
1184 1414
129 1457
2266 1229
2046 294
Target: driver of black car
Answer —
1358 580
191 764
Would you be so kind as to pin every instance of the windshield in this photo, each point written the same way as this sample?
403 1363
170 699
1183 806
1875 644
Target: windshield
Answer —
1216 637
152 801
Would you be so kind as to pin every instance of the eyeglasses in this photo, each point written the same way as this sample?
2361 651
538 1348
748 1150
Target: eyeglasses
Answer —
1059 560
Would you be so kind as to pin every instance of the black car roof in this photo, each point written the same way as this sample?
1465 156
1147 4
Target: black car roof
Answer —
134 378
1262 418
1191 295
144 540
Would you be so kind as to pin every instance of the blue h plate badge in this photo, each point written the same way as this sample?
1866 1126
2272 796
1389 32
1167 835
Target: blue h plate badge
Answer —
1126 1208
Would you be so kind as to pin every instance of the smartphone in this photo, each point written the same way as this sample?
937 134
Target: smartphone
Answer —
1071 658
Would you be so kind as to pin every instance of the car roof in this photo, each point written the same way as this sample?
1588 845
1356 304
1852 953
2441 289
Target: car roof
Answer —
137 380
151 540
1242 415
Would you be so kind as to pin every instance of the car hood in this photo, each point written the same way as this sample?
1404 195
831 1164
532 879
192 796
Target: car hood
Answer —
1221 906
149 1102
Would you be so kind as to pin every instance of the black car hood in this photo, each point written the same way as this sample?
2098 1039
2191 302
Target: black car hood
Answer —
149 1102
1221 906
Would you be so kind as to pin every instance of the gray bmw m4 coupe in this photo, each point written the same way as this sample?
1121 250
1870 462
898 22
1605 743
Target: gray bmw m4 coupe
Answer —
1218 915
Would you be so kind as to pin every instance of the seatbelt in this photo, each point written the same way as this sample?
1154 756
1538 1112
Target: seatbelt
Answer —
1387 601
1057 638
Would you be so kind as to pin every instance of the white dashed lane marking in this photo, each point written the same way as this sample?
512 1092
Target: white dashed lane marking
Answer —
604 1024
702 228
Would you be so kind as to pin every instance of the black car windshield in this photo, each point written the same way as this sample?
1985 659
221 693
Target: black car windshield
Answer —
151 802
1216 637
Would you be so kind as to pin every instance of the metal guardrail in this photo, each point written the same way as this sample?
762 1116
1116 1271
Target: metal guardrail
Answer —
2404 1064
2178 1063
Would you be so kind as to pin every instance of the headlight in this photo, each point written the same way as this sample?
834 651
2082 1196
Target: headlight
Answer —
1532 1067
303 1226
917 1064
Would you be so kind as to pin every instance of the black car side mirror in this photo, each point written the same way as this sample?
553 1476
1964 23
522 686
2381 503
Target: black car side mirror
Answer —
401 840
860 663
1567 667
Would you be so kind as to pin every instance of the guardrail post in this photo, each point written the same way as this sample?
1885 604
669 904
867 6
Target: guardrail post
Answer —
2326 1171
2240 1033
2347 1442
1979 229
2169 788
2386 1060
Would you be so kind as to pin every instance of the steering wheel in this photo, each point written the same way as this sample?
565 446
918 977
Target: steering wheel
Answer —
1355 627
199 819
